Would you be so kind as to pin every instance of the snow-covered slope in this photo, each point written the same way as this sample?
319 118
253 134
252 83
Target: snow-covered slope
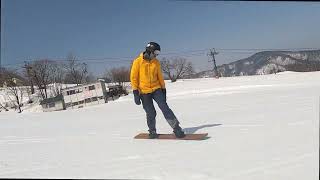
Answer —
260 127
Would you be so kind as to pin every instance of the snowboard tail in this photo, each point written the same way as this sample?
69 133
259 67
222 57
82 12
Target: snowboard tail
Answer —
202 136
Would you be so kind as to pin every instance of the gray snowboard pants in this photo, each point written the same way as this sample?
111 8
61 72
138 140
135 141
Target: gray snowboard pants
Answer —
159 97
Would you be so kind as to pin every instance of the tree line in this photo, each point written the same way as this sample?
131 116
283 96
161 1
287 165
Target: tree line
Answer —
46 77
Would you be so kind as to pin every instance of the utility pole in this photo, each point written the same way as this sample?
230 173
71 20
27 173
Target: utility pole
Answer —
212 54
28 70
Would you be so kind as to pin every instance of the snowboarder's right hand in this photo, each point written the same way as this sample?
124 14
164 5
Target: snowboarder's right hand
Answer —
136 97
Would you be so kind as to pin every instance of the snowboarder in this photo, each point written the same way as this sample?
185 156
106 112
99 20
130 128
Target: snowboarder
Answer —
148 84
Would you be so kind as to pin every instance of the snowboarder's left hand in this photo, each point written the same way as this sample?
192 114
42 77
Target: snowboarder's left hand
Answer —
164 91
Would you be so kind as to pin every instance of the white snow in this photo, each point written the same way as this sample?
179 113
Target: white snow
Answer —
231 66
260 127
269 68
248 62
282 61
301 56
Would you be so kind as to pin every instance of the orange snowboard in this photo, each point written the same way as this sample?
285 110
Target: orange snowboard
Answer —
172 136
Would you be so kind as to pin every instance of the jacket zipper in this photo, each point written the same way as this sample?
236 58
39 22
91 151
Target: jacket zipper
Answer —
149 74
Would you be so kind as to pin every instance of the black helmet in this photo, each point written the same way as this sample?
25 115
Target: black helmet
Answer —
153 46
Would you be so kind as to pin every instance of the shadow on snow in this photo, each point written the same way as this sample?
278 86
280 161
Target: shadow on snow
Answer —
192 130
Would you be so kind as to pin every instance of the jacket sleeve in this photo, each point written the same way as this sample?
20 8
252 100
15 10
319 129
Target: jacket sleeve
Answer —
160 76
134 75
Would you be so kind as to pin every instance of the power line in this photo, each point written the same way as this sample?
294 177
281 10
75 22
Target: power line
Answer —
185 53
12 64
266 49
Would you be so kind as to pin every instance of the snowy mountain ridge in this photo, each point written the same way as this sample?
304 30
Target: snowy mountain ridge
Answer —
268 62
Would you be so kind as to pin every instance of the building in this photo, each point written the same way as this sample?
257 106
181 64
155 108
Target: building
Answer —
84 95
53 104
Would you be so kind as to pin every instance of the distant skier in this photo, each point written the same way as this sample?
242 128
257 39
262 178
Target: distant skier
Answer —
148 85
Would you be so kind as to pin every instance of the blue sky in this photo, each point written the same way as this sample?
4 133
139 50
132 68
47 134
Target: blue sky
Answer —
104 29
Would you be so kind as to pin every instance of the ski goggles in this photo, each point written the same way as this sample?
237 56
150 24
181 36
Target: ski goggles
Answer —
156 52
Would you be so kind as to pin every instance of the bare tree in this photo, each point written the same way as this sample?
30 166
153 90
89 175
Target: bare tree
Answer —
1 76
90 78
43 73
8 79
3 107
76 72
2 104
57 78
14 89
118 75
17 92
107 77
176 68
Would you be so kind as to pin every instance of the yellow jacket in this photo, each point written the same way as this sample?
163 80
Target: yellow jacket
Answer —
146 76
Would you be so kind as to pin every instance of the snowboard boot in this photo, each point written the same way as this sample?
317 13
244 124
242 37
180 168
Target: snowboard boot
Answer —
153 134
178 132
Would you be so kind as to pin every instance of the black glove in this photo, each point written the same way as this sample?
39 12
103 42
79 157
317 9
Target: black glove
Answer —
136 97
164 91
